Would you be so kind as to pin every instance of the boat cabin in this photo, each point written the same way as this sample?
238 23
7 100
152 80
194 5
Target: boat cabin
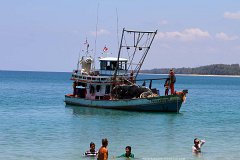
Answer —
109 64
90 85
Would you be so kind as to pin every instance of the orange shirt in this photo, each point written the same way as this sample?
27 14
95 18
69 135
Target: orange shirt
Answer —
103 153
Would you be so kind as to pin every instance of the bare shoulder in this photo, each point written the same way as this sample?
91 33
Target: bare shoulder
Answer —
103 150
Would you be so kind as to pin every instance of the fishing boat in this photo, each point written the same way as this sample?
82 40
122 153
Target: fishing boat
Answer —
114 85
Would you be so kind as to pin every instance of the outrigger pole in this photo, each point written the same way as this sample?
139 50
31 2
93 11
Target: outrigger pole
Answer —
145 53
138 38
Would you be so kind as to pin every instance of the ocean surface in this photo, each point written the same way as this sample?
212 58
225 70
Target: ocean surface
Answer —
35 124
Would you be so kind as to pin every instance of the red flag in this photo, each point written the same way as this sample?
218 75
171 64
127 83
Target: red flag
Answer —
105 49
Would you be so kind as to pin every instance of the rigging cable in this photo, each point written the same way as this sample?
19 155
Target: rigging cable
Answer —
95 40
129 56
138 39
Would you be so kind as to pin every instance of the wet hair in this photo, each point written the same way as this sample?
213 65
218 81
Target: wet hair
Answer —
129 148
92 144
194 141
104 142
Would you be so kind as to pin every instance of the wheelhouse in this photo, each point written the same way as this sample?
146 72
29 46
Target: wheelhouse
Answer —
108 66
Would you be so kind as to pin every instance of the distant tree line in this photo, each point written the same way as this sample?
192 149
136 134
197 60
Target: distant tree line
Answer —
214 69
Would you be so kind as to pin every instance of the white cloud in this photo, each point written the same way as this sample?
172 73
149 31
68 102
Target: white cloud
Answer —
100 32
231 15
163 22
225 37
190 34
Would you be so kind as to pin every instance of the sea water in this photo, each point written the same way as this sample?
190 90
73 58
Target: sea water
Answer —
35 124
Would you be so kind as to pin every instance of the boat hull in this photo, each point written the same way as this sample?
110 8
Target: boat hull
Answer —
171 103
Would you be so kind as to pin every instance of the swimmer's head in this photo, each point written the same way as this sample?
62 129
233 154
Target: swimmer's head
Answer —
196 141
104 142
128 149
92 145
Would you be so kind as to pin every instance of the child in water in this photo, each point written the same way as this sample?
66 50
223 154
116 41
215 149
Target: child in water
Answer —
91 152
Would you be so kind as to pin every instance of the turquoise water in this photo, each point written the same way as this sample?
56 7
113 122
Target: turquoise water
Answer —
36 124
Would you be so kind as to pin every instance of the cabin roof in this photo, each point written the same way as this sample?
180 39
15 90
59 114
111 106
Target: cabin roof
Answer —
112 59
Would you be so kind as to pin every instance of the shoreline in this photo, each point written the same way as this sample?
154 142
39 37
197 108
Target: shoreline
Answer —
199 75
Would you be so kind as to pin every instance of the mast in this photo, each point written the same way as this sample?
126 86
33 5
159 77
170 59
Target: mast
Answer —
119 52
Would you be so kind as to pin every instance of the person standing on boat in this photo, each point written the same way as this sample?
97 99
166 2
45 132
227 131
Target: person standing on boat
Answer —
74 88
172 80
131 77
103 151
197 145
166 85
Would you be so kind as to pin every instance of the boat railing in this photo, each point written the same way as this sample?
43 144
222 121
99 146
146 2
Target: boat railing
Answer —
91 78
111 72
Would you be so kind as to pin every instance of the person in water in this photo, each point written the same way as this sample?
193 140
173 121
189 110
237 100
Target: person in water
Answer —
91 151
128 153
103 151
196 148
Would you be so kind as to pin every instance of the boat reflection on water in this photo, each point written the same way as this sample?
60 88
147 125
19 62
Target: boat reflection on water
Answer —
76 110
88 111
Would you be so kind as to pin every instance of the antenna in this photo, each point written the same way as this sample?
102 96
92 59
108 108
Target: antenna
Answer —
95 39
87 47
117 28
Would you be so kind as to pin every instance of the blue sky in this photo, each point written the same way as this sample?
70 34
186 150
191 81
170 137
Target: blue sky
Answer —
47 35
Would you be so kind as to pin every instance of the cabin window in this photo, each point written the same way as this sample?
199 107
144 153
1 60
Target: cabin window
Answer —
120 65
108 66
103 65
92 89
107 91
113 65
99 97
98 88
81 84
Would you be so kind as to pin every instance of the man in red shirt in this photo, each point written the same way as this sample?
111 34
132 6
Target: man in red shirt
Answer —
172 80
